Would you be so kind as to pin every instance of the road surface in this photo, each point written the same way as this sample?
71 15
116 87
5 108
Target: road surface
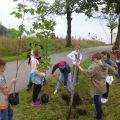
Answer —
25 68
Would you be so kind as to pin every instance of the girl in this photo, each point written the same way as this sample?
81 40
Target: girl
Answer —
106 56
36 77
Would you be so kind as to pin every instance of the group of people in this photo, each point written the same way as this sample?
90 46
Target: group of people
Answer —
97 72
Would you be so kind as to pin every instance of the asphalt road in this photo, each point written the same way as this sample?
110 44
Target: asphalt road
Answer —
25 68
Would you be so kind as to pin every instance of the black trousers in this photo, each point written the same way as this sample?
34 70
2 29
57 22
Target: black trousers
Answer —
36 91
105 95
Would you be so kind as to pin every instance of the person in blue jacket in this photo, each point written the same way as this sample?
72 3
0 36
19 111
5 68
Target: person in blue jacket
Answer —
64 73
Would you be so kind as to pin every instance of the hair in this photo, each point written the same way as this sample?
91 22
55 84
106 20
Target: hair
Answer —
36 52
77 46
115 48
97 56
105 53
2 62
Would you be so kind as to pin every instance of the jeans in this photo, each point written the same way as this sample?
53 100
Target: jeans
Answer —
69 82
97 102
6 114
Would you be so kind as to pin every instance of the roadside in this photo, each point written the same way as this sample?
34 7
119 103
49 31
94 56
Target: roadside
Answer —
25 68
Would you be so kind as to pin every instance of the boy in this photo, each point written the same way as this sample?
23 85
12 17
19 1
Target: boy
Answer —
98 76
73 57
6 111
117 52
64 72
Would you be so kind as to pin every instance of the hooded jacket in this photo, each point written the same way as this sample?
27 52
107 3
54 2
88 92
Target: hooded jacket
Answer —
98 76
65 71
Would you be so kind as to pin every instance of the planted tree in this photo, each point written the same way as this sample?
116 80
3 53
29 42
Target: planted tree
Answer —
41 29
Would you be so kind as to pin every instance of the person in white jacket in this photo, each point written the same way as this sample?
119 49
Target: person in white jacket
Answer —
73 57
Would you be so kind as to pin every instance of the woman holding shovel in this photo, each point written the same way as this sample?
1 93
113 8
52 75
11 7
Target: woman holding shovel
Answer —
64 73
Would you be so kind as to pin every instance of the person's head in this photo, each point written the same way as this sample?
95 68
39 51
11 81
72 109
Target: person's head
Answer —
105 55
61 64
2 65
115 49
36 54
96 58
77 48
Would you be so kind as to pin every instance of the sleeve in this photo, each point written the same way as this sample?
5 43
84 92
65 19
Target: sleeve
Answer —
34 68
54 68
34 64
2 84
90 73
70 55
113 64
111 70
80 56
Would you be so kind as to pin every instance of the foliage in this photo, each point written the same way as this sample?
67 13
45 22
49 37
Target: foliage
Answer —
4 31
67 7
41 29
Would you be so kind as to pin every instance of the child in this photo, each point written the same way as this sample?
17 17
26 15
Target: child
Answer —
30 55
98 76
106 56
91 65
36 77
6 111
64 72
73 57
117 52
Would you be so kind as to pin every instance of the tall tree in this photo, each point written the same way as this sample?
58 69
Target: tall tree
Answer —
110 16
67 7
116 4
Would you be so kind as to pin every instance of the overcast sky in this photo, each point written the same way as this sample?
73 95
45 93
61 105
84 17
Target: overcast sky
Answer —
80 27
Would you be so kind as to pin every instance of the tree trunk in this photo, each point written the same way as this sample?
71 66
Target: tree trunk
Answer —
111 35
117 42
68 39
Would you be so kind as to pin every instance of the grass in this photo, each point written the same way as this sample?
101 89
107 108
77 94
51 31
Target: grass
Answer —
8 48
57 109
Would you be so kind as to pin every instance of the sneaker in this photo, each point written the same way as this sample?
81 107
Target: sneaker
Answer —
77 82
36 103
55 91
103 100
38 99
28 88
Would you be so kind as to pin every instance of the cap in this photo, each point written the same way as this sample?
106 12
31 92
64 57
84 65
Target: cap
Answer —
61 64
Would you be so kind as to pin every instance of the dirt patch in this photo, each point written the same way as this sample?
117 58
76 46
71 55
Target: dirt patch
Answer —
76 99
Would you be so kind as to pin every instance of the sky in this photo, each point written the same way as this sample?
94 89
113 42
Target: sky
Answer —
80 27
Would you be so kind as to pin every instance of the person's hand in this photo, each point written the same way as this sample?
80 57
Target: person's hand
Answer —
14 80
43 74
65 87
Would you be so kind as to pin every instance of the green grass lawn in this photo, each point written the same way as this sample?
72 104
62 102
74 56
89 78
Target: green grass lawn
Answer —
57 109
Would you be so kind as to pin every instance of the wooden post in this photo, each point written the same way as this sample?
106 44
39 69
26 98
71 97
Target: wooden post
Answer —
74 80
